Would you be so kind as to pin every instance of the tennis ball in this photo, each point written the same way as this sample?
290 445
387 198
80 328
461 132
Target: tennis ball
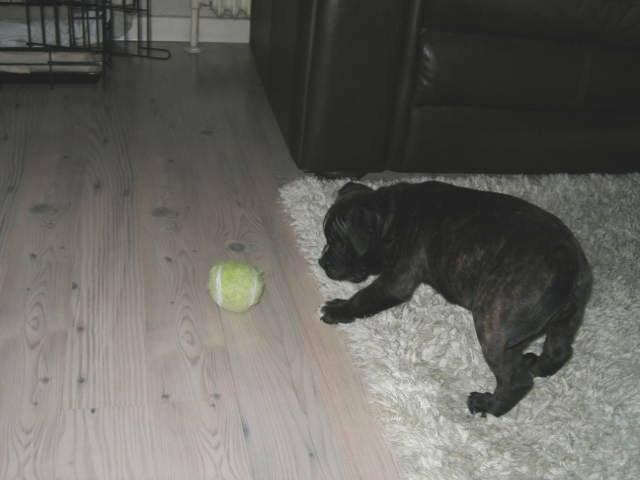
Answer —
235 286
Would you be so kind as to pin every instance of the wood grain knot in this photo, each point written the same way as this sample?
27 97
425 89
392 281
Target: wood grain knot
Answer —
164 212
43 209
237 247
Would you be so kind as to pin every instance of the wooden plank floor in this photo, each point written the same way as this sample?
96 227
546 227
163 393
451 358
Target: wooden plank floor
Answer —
114 362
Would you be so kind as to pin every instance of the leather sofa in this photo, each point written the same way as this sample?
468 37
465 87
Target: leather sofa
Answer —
500 86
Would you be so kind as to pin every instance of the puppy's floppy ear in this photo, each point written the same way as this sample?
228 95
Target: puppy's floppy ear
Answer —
352 187
361 223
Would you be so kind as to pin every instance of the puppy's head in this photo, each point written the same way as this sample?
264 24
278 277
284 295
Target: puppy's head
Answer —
351 228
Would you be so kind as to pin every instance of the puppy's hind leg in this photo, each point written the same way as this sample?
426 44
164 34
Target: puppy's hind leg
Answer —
513 382
513 379
565 321
557 349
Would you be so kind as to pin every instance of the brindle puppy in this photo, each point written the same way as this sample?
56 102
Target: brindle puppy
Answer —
516 267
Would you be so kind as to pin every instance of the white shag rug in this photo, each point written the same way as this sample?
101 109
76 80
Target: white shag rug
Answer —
421 359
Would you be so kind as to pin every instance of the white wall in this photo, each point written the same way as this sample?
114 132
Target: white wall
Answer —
182 8
171 23
171 8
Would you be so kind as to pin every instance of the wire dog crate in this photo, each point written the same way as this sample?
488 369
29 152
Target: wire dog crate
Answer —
71 39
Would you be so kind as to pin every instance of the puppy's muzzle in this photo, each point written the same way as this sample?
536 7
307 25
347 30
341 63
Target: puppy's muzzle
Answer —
339 272
332 272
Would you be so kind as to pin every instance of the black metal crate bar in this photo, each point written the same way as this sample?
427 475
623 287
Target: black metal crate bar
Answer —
50 37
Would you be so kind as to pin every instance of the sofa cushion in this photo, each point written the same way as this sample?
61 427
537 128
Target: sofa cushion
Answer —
476 70
507 71
461 139
614 79
610 21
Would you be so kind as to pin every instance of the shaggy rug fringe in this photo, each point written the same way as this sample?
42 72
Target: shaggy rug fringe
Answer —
421 359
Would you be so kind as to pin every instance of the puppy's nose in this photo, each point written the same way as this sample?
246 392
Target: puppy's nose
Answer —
323 262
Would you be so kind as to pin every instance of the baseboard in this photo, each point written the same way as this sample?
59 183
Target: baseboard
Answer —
178 29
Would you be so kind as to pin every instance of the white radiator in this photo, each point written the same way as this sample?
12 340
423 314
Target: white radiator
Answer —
226 9
231 8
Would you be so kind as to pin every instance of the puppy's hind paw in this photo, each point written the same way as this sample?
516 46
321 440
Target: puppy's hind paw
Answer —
336 311
480 403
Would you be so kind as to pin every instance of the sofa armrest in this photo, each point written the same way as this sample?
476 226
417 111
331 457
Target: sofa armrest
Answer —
356 59
344 79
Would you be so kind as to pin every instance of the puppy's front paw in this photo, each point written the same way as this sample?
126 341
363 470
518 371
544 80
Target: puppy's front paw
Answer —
337 311
481 403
